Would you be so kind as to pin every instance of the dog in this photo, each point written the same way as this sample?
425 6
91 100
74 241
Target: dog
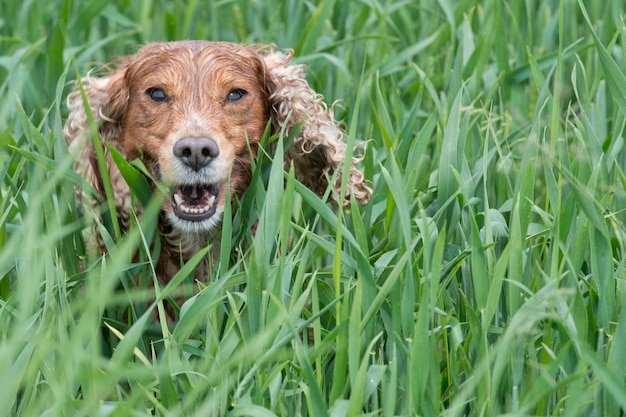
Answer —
195 112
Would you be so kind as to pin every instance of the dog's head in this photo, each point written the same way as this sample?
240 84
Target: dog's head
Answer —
195 111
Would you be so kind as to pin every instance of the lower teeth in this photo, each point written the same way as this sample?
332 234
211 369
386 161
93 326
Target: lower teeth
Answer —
193 210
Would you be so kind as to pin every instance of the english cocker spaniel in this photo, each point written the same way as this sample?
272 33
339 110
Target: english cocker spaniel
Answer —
195 112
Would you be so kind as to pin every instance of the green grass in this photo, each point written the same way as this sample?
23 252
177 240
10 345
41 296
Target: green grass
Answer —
485 277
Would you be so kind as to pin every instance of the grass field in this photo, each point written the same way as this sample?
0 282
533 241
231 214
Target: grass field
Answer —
485 277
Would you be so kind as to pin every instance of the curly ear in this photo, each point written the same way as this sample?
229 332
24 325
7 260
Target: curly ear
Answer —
107 98
318 151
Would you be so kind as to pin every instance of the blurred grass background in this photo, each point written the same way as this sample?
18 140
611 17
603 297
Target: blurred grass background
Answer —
486 276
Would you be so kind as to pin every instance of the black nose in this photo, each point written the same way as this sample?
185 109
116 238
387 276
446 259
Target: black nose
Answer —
196 153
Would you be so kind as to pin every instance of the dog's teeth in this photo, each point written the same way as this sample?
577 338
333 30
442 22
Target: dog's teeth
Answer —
211 201
177 199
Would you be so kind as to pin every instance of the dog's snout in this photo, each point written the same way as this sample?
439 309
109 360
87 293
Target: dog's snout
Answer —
196 153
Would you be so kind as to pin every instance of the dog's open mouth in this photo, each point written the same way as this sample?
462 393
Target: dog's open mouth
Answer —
195 203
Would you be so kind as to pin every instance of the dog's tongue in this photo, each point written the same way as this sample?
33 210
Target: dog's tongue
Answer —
193 193
196 195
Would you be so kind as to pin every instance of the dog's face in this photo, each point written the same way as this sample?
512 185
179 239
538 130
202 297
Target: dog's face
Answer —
195 111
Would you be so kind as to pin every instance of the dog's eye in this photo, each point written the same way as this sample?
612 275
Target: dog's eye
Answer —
236 94
156 94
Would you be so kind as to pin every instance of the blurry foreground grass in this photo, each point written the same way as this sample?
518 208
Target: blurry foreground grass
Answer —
486 276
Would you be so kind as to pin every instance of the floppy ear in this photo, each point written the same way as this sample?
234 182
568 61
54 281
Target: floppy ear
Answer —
318 151
107 98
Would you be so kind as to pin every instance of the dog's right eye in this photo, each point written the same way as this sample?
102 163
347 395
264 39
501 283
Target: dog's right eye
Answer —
236 94
156 94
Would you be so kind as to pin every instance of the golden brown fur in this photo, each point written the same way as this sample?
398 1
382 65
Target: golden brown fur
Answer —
190 109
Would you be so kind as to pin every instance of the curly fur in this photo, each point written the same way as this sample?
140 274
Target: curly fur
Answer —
196 77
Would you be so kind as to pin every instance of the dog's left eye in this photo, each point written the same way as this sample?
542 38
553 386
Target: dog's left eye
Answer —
236 94
156 94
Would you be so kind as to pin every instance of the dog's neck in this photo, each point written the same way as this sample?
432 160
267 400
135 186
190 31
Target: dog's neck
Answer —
186 242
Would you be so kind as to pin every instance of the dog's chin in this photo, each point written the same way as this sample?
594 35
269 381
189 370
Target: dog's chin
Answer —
206 226
195 208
